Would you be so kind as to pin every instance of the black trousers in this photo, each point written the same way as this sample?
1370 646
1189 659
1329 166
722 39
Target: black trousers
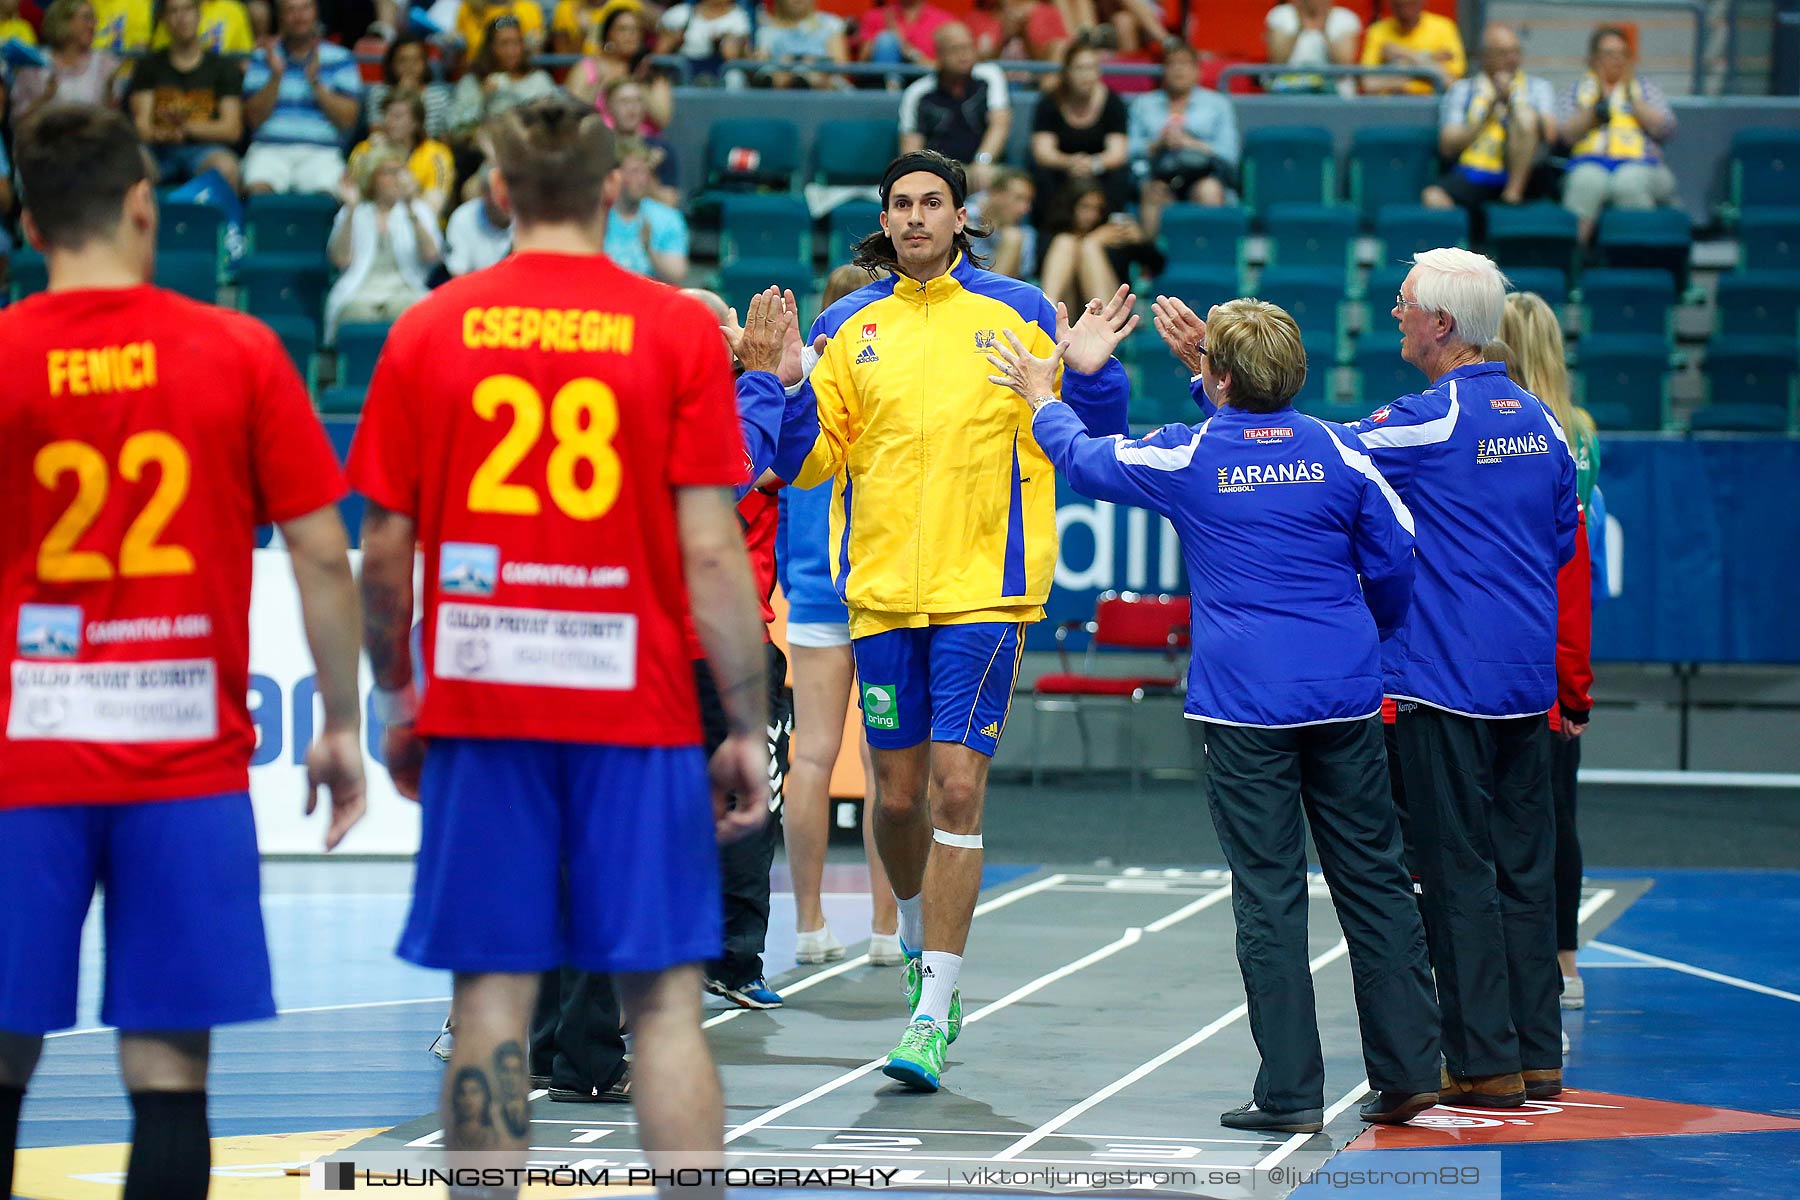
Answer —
1565 761
1482 840
1261 784
744 865
575 1037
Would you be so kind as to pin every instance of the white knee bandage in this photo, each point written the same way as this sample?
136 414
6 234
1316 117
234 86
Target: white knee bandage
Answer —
962 841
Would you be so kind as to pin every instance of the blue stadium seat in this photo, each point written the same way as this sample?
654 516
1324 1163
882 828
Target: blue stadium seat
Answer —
1287 165
300 337
766 227
752 153
1311 296
850 153
1384 283
1391 165
28 273
343 401
1624 379
358 346
1320 385
1197 236
283 284
1312 235
298 224
1547 282
1382 376
1618 300
193 273
1760 302
740 280
1533 235
1160 390
1765 167
847 225
1657 238
1406 229
1769 240
1749 383
1200 287
182 226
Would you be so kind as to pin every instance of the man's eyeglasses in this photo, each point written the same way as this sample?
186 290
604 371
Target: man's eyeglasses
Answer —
1201 347
1400 301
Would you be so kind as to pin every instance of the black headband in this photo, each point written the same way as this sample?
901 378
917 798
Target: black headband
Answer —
937 164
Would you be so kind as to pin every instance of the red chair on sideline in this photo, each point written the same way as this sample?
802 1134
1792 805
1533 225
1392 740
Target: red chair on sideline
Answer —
1122 621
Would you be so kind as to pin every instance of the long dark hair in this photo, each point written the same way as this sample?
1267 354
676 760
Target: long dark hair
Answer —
485 64
875 253
1077 45
1061 216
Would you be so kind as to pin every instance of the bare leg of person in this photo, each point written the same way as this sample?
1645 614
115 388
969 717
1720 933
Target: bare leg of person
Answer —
483 1101
821 696
675 1087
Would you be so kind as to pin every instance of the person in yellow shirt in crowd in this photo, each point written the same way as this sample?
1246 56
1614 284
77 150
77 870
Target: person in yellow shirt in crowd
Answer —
122 26
575 24
474 17
402 129
224 28
12 25
1615 123
1413 37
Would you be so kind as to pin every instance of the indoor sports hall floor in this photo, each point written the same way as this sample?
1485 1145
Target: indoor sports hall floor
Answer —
1105 1031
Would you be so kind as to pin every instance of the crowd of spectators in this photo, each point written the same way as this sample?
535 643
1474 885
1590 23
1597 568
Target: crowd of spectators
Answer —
279 83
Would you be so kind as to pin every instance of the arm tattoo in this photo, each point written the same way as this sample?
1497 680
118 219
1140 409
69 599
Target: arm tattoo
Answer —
387 626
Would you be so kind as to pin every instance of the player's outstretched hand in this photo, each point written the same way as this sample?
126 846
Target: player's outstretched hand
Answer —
1098 333
739 771
405 755
1023 372
334 762
760 343
1182 330
793 345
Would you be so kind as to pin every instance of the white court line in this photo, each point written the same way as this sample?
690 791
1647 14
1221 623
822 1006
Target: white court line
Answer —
1131 936
1740 779
832 972
1592 905
287 1012
1624 966
1182 1047
1295 1141
1655 960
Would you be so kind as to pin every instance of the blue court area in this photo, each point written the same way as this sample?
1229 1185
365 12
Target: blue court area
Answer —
1693 999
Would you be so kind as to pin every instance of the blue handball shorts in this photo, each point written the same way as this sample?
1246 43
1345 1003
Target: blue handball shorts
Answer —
539 854
948 683
182 914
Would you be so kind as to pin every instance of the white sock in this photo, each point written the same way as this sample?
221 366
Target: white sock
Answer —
912 921
941 970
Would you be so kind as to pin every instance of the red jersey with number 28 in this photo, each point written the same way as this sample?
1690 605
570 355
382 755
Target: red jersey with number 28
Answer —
535 419
143 437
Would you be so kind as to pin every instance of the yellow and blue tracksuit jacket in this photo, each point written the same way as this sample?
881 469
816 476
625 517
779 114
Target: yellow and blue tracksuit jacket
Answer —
945 506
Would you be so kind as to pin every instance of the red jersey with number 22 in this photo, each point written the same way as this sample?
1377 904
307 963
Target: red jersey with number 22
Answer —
535 419
143 437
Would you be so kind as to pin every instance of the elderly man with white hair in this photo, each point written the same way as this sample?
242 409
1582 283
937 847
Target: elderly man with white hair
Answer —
1486 472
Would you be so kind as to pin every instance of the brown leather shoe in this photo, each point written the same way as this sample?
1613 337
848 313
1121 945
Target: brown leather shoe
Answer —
1482 1091
1541 1085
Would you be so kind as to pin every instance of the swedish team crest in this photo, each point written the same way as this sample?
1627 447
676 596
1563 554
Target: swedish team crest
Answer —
984 339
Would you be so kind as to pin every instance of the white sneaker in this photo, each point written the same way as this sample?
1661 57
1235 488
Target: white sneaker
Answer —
1565 1043
818 946
1574 993
884 950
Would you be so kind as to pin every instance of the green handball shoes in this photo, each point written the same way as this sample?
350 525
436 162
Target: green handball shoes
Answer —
918 1061
915 987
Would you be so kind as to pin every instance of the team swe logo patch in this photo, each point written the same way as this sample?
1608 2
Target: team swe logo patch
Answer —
1265 435
1248 479
1493 450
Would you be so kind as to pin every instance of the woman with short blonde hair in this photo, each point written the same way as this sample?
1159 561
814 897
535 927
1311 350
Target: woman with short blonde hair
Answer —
1530 326
1255 349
